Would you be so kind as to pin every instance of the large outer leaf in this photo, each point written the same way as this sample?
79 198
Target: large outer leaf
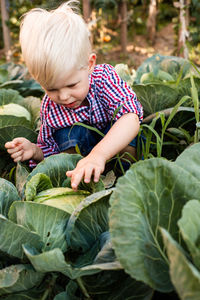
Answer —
21 175
11 84
18 278
12 236
9 96
155 97
116 285
185 277
88 221
151 194
54 261
8 133
48 222
9 120
8 194
189 226
190 160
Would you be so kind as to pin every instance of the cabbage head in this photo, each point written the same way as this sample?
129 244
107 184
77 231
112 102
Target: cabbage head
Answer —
61 197
15 110
124 72
40 189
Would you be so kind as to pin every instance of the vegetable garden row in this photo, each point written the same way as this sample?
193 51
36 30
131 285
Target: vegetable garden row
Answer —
134 236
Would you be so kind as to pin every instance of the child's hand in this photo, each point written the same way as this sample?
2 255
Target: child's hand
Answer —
20 149
86 167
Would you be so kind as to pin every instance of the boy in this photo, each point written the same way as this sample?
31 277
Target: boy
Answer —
57 51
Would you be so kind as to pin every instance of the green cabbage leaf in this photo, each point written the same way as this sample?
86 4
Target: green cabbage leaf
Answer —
184 275
8 194
151 195
15 119
14 109
18 278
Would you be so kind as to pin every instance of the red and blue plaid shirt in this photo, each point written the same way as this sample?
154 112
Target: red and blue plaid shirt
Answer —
107 94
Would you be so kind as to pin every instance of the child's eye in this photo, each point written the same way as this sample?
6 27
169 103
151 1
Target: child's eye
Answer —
72 85
51 91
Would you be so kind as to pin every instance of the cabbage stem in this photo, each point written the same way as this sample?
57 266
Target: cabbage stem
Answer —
82 287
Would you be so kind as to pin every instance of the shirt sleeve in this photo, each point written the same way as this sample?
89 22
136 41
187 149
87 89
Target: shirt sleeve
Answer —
117 97
45 138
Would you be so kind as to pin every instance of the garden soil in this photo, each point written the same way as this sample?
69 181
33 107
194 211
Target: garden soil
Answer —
140 49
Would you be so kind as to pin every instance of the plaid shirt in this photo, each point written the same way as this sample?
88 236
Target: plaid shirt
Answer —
108 94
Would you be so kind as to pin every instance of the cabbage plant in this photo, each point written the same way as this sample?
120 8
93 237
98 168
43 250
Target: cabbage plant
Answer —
156 238
162 68
15 118
161 81
124 72
15 110
19 117
54 245
14 76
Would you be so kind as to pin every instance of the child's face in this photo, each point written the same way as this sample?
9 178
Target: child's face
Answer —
71 90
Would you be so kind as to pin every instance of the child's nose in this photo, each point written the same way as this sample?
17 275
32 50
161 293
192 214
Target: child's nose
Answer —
63 94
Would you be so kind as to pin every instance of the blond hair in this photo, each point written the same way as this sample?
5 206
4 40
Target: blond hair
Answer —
54 42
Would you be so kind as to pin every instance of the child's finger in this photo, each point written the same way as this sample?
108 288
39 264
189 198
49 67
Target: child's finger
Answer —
18 140
97 173
17 154
19 158
9 145
76 179
14 149
69 173
14 142
88 174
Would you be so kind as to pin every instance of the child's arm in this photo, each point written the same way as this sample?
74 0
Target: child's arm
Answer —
22 149
118 137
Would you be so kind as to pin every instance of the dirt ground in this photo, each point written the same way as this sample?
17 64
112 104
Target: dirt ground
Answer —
140 49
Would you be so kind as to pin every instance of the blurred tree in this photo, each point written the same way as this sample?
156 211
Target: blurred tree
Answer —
123 24
86 10
151 21
6 31
183 33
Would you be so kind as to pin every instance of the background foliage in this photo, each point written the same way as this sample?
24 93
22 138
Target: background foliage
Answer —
105 21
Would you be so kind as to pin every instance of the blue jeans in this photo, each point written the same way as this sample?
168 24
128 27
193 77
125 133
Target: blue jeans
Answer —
85 138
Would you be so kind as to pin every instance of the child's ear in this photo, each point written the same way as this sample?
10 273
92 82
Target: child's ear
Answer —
92 62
